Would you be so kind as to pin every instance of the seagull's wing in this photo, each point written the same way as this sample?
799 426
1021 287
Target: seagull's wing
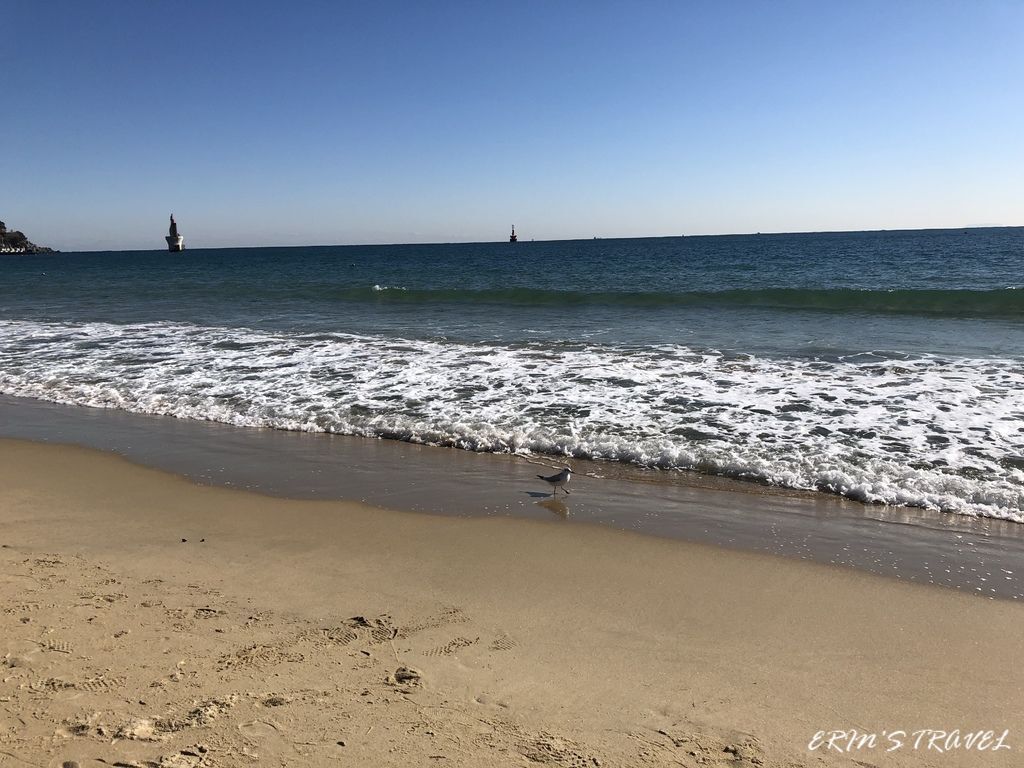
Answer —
559 477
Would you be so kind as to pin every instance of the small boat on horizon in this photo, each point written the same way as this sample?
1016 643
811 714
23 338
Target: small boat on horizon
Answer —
513 238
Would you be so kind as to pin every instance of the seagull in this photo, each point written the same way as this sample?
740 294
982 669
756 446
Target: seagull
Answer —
558 481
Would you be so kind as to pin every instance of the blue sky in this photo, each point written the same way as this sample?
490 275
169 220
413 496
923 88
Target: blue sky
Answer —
330 122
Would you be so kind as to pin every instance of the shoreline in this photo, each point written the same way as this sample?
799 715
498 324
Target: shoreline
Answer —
275 630
980 555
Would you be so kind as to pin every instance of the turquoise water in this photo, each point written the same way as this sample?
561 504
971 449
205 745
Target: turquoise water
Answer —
883 366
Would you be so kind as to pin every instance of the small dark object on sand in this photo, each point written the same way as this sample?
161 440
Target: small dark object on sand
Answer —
406 676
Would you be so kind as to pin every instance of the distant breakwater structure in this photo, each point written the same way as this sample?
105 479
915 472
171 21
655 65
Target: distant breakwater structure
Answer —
16 242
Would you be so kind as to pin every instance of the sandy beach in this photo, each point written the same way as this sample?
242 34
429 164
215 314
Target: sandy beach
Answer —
150 621
556 385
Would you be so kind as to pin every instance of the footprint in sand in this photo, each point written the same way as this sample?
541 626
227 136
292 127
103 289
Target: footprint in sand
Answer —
58 646
448 616
56 685
503 643
51 685
13 610
257 656
452 646
378 630
100 684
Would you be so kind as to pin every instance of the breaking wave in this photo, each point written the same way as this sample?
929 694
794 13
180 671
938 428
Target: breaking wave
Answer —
939 433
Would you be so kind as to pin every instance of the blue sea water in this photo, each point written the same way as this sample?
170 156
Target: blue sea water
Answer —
883 366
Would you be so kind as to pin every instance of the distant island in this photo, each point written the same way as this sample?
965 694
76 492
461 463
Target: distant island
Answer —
16 242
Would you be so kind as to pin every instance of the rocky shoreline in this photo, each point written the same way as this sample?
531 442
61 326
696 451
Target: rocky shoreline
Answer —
15 242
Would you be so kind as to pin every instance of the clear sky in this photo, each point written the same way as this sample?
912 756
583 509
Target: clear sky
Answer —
261 123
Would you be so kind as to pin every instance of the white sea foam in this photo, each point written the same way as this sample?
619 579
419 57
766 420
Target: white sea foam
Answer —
927 432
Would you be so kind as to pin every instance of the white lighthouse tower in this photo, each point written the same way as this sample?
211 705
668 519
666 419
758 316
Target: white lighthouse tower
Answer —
175 242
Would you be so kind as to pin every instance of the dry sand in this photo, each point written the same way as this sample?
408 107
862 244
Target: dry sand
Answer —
318 633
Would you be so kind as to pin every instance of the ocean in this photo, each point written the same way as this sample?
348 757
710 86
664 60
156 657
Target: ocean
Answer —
880 366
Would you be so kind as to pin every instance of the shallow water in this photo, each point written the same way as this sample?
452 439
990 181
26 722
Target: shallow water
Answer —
885 367
979 556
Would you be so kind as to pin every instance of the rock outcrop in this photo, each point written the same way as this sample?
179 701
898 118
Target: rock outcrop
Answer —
16 242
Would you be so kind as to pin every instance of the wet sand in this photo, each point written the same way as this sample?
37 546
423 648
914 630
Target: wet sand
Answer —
983 556
148 620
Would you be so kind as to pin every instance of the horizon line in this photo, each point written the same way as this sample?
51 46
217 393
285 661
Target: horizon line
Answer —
558 240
